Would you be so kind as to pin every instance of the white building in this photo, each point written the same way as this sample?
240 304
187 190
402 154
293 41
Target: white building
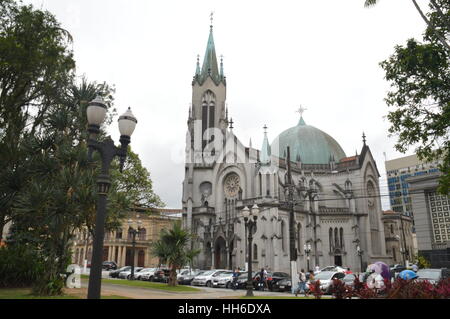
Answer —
337 203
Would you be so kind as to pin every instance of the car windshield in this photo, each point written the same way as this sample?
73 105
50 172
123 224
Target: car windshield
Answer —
324 275
349 277
224 274
429 274
207 273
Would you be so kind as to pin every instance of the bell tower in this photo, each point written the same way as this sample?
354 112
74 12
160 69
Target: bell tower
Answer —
208 114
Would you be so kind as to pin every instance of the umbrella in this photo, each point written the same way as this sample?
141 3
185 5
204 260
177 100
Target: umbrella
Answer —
381 268
407 274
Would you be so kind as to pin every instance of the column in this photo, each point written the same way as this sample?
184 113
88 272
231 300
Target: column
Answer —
124 255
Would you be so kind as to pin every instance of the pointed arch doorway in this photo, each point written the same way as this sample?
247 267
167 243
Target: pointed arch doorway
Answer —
220 254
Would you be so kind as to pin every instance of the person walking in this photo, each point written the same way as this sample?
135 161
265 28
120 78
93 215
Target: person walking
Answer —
301 283
235 278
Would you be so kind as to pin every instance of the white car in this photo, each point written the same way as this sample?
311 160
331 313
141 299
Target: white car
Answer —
326 279
223 279
206 278
145 272
127 274
185 272
331 268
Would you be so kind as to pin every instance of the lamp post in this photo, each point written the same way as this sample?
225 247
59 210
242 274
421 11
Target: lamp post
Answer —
360 253
133 232
250 225
307 249
96 112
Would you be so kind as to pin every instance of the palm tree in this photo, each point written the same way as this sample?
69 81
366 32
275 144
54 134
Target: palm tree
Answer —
172 249
431 26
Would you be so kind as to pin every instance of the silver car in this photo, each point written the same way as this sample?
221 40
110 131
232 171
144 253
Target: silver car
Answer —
223 279
326 279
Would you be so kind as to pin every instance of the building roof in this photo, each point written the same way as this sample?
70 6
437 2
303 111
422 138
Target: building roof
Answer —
308 144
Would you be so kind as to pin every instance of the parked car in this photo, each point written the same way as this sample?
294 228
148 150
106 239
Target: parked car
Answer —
186 279
243 278
126 274
349 280
161 275
144 272
396 269
206 278
272 278
185 272
223 279
109 265
432 275
284 284
115 273
326 279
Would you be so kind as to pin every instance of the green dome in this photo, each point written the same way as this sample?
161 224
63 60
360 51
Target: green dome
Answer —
307 144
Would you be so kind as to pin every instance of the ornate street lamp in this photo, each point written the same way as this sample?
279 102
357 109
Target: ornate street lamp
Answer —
133 232
250 225
96 113
307 249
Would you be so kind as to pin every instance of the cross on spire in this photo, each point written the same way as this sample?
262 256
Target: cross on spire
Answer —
265 128
364 138
211 17
231 123
301 110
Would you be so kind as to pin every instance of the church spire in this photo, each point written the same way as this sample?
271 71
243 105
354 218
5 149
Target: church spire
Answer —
210 66
265 149
197 69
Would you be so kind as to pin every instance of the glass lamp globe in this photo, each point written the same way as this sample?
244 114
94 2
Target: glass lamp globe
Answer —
255 210
96 111
246 212
127 123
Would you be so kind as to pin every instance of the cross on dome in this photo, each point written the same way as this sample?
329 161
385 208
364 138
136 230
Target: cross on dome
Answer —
301 110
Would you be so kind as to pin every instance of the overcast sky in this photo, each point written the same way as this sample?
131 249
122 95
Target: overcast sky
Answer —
323 55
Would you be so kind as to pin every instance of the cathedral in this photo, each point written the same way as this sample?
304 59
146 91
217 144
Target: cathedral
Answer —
328 206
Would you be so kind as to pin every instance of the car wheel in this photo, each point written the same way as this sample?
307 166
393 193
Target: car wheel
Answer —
227 285
209 284
150 278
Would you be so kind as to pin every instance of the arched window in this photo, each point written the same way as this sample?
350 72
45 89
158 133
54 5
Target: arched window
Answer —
119 234
255 252
260 184
208 110
267 185
336 238
392 228
330 234
142 234
341 237
282 235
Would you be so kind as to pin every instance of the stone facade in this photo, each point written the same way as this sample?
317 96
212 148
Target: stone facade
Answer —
337 205
399 237
117 244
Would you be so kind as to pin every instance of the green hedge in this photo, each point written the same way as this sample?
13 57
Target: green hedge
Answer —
19 267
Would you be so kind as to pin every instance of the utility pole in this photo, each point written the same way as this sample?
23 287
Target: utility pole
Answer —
292 250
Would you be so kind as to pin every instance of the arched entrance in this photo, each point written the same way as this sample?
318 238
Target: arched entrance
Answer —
141 258
337 257
220 256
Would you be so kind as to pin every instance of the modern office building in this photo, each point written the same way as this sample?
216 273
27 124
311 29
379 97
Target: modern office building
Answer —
397 171
432 219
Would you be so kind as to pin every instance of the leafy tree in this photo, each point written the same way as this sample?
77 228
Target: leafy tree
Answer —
36 66
47 184
172 248
419 74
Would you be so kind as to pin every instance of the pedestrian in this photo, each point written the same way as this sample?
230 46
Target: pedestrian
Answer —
317 269
235 277
301 283
348 271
